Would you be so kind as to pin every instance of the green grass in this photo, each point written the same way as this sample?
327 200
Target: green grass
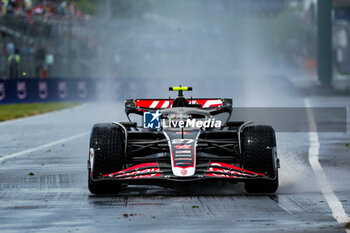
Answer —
12 111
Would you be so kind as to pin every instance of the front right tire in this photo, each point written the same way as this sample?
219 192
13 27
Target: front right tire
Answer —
107 142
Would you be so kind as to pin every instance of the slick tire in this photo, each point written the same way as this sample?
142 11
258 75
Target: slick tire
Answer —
258 156
107 140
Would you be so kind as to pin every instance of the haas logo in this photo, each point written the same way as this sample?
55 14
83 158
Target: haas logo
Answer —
184 172
21 90
82 90
2 91
62 90
43 90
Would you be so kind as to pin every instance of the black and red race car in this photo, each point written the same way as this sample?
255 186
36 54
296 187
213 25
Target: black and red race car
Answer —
181 141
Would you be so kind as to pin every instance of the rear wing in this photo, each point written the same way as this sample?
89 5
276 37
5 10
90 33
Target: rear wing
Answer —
139 106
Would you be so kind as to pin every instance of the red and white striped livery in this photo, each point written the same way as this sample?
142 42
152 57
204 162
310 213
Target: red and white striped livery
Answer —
166 103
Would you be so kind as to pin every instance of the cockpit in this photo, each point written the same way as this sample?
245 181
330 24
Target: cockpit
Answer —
183 117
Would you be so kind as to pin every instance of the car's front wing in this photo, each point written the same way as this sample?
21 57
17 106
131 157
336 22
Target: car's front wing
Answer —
160 171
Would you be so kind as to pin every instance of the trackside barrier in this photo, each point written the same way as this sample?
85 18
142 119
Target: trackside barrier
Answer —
28 90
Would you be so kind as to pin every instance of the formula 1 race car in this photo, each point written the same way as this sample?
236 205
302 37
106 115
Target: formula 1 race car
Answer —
181 141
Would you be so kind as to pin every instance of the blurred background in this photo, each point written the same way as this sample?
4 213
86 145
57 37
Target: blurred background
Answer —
257 51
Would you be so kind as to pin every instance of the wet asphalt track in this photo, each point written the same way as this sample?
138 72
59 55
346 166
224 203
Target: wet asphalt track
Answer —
56 198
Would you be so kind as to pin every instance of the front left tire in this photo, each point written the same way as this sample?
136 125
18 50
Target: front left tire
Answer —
259 145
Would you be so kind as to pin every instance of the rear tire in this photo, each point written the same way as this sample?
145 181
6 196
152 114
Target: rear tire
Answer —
258 143
108 143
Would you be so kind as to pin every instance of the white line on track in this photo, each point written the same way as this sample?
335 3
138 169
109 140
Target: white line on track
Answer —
43 115
326 189
9 156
